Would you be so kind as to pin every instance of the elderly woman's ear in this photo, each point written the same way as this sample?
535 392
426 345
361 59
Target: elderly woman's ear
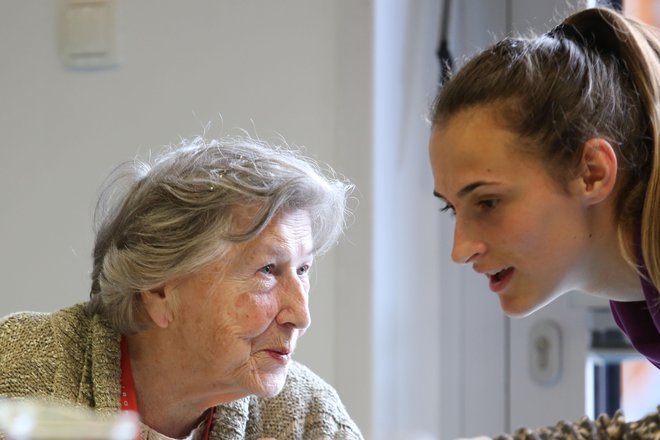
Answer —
158 305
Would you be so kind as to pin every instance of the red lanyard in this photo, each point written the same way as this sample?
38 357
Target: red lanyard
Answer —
128 400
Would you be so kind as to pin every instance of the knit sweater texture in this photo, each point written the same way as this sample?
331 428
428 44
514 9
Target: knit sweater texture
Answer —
74 358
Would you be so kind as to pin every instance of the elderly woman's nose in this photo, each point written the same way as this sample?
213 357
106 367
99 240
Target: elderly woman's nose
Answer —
294 305
467 247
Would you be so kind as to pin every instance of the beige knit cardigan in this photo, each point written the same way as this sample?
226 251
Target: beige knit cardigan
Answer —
71 356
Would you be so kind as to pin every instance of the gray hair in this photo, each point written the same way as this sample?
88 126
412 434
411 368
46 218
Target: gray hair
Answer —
170 217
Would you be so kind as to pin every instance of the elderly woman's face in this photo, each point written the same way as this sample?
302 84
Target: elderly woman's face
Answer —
239 318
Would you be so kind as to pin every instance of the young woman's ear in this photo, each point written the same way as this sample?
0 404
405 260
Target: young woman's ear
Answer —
158 305
598 171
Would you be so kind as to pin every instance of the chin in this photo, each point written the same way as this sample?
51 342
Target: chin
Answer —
520 307
517 309
271 385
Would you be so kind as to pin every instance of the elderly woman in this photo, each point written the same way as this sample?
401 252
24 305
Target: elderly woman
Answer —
199 294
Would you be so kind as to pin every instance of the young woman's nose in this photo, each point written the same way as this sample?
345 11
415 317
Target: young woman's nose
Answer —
294 305
466 247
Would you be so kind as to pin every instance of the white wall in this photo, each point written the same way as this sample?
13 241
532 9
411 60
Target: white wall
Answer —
183 64
407 358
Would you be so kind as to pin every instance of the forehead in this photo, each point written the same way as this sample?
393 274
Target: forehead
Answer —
288 236
471 142
288 231
475 129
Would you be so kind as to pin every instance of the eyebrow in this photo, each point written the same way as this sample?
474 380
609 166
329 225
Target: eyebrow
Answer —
467 189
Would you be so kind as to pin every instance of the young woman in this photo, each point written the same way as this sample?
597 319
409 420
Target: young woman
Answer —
547 152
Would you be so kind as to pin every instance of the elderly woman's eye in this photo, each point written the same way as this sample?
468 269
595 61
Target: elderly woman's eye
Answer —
303 269
268 269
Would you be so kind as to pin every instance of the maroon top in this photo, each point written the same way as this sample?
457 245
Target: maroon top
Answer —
640 321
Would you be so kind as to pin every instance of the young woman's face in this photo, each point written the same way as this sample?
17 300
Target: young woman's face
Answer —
513 222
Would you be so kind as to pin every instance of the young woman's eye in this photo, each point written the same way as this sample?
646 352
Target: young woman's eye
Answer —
303 269
488 203
448 208
268 269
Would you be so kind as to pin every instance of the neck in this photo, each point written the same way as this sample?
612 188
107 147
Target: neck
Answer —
609 275
163 398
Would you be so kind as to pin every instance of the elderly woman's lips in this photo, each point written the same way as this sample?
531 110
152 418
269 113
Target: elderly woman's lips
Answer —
280 355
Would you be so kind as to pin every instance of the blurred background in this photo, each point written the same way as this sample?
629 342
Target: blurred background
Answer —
416 346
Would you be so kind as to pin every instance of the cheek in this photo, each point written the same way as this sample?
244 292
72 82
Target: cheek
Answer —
253 312
523 234
526 234
541 237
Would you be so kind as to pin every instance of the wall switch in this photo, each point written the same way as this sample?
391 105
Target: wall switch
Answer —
87 33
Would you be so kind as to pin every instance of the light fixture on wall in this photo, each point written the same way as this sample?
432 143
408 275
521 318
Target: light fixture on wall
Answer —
545 353
87 33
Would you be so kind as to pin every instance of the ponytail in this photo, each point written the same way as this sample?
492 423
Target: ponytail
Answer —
638 48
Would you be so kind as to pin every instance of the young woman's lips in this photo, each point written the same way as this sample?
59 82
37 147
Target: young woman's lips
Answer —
500 280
